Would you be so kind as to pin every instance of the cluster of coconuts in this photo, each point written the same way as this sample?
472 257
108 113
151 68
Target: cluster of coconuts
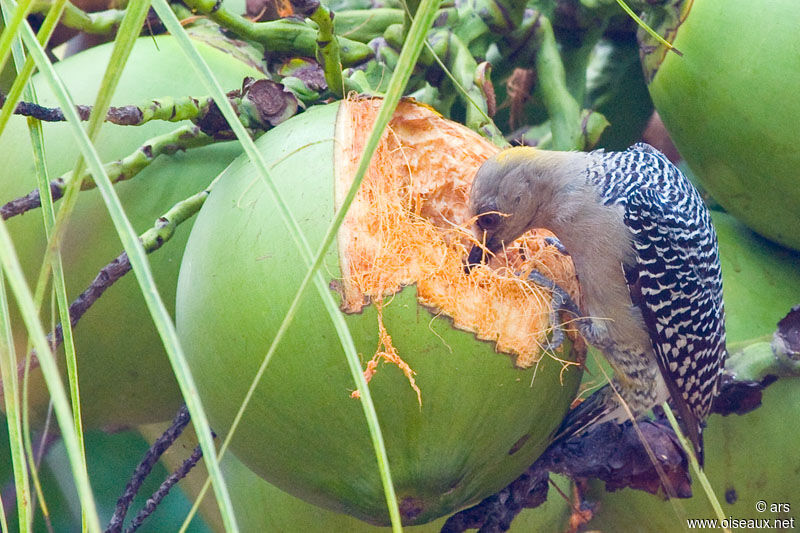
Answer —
479 419
482 419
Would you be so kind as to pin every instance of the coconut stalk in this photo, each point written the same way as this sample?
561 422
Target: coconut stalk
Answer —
104 22
261 104
279 36
258 102
152 240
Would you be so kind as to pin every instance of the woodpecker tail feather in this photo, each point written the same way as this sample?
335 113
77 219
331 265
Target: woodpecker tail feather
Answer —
596 409
604 406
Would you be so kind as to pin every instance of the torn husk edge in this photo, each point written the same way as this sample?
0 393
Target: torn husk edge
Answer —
410 224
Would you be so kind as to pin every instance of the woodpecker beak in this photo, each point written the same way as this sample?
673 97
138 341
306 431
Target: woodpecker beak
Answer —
477 255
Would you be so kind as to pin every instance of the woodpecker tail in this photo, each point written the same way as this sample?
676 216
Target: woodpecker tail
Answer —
596 409
698 446
604 406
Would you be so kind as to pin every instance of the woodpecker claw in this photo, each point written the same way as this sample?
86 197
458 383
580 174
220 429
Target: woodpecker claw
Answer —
561 302
557 244
591 411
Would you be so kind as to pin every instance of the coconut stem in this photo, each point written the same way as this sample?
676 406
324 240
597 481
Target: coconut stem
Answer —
260 103
168 109
328 50
143 470
564 110
166 486
279 36
98 23
473 82
120 170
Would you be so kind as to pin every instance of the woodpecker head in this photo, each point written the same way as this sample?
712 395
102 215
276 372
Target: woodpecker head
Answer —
522 188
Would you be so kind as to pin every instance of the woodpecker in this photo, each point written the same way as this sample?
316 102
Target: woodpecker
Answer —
646 256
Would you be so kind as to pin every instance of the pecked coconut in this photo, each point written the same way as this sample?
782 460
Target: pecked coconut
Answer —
466 397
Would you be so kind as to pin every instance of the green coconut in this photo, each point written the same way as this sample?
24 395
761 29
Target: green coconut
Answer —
730 104
259 506
761 283
125 376
466 399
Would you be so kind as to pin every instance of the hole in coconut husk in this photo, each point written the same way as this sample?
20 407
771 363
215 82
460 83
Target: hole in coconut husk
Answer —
410 224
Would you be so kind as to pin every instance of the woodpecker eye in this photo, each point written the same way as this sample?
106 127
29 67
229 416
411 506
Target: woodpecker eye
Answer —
489 221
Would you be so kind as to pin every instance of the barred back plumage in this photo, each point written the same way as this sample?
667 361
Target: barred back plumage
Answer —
676 277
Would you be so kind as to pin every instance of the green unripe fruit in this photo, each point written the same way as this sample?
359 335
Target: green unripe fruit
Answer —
125 377
761 281
730 104
478 421
259 506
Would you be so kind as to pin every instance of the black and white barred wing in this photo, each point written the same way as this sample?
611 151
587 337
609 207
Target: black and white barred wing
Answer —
676 283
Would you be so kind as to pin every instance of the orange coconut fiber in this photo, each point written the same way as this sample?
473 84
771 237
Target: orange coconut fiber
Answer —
410 224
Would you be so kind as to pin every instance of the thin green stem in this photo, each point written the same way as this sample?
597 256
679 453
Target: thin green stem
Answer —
48 218
698 472
24 501
33 465
123 45
8 372
363 25
279 36
462 72
3 521
328 50
501 16
24 299
97 23
59 284
642 24
24 73
13 23
10 380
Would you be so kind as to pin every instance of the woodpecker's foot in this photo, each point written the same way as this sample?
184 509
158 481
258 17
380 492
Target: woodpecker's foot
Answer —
561 302
554 242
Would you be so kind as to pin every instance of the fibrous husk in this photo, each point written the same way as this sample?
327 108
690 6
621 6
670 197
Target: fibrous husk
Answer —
410 224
